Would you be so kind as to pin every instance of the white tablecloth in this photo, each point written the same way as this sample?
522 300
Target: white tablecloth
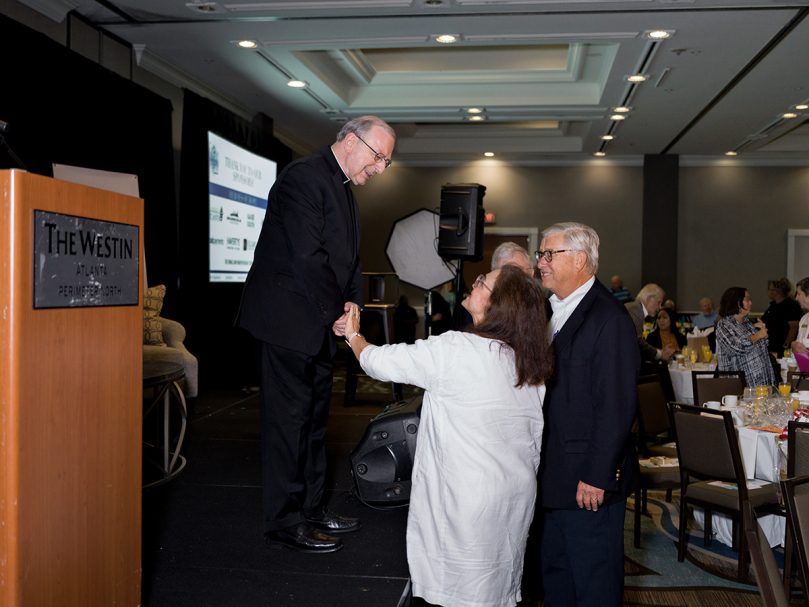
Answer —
681 380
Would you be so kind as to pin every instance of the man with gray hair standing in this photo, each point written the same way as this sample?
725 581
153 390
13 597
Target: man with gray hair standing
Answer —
510 253
587 465
646 305
304 280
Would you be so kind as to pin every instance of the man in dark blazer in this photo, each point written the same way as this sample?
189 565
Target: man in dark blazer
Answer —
587 465
305 277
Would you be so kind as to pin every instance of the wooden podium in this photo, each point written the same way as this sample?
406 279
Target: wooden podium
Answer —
70 394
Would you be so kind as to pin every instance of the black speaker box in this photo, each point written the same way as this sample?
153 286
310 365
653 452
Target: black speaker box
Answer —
460 227
382 462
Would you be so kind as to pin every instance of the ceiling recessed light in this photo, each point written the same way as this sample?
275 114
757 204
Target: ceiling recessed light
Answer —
247 44
607 137
617 117
802 106
446 39
789 115
621 109
731 153
297 84
600 154
637 78
476 118
474 110
659 34
488 154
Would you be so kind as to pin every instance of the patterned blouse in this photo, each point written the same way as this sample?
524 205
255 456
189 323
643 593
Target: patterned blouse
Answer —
735 351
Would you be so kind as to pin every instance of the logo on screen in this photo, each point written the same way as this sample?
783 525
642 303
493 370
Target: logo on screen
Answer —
213 159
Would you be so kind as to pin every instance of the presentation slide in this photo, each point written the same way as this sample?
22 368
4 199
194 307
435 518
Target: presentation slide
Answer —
238 184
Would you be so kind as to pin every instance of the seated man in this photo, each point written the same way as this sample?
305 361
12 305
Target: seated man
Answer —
707 316
618 290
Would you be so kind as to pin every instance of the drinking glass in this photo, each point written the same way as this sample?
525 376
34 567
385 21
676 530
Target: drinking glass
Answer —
764 391
784 389
694 355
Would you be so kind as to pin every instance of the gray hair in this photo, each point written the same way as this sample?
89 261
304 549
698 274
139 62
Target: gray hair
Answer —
362 124
505 251
650 290
578 237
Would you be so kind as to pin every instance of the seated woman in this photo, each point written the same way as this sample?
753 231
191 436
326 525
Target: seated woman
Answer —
740 344
801 343
666 333
474 474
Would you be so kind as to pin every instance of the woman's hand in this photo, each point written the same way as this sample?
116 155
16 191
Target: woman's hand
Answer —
352 321
762 331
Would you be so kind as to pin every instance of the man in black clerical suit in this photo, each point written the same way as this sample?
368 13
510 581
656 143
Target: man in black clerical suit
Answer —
305 277
587 463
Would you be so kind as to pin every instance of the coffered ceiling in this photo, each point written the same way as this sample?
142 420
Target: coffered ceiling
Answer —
547 75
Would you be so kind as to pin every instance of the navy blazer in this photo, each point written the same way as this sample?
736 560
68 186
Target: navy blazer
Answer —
306 263
590 403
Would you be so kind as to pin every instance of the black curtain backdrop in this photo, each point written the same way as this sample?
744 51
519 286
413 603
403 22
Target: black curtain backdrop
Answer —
62 108
226 353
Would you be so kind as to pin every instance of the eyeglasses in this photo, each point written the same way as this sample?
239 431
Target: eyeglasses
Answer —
377 156
548 255
480 281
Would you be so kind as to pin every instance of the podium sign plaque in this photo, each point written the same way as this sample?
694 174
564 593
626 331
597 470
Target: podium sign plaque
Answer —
81 262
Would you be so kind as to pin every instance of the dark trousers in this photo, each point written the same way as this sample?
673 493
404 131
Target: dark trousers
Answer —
295 396
583 556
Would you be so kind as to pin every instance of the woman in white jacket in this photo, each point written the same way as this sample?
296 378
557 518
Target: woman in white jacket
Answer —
474 474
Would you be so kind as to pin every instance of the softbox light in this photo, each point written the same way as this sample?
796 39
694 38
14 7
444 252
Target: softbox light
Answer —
412 251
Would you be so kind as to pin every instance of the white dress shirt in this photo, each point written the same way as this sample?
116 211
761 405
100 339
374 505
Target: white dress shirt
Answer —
563 308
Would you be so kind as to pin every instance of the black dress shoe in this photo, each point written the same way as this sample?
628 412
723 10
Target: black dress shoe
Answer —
334 523
303 538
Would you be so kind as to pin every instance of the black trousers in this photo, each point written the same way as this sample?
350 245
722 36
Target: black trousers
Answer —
295 396
583 557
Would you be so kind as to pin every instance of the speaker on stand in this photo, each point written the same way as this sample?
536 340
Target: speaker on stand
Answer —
460 233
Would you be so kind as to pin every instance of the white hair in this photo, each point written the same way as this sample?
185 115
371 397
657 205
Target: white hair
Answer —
505 251
579 237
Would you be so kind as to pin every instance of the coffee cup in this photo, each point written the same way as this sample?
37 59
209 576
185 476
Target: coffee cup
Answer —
730 400
713 404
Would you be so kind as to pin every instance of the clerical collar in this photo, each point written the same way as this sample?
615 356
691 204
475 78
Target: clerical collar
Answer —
337 160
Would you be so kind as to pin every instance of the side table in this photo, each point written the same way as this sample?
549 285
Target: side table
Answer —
163 379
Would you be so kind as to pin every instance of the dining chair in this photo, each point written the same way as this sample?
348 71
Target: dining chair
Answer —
654 427
799 380
797 465
768 576
652 478
713 385
712 475
796 499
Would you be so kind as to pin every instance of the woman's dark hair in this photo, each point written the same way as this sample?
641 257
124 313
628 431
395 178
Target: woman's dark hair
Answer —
731 301
670 315
803 285
517 316
782 285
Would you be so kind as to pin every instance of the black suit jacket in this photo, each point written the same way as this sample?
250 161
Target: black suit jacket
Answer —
590 403
306 263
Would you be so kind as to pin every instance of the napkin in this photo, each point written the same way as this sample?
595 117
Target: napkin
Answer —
697 332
